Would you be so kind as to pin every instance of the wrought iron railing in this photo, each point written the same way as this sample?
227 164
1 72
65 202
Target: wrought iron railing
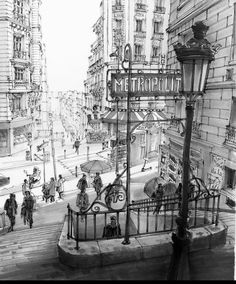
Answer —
140 6
160 9
20 54
139 58
148 216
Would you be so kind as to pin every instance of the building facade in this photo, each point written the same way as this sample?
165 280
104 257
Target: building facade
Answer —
20 73
213 144
142 24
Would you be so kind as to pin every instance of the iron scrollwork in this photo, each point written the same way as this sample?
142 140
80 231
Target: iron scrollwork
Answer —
115 200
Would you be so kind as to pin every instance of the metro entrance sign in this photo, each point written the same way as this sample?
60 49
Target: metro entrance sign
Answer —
161 83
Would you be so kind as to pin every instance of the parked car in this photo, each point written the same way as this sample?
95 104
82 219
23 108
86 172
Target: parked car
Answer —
4 180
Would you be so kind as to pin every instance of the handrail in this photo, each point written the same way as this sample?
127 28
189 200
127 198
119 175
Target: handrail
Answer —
148 216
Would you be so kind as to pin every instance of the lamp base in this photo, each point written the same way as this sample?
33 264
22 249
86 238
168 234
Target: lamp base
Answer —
179 265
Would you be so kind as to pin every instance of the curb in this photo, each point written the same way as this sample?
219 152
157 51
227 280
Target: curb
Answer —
107 252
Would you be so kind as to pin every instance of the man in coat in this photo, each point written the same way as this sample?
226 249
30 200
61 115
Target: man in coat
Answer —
27 208
82 183
97 184
11 210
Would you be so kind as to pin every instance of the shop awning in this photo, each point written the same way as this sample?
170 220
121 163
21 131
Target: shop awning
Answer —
140 115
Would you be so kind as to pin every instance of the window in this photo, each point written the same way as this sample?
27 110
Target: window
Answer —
18 6
15 104
233 114
230 177
139 25
19 74
155 51
17 45
137 49
118 24
233 44
159 3
157 27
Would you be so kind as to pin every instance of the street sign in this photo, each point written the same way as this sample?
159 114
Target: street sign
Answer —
161 83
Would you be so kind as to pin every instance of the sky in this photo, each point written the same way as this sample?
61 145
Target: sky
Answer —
68 35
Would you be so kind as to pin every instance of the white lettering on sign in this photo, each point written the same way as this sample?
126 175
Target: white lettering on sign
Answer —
145 84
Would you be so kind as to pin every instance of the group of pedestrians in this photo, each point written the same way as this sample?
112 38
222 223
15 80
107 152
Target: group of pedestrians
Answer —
49 189
27 207
82 200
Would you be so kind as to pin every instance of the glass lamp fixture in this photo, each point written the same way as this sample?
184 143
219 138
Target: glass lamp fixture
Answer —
195 58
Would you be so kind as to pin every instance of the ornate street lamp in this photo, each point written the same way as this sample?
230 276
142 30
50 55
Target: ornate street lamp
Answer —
195 58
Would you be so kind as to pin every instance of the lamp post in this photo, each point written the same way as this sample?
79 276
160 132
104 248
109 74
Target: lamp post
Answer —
116 54
194 58
126 64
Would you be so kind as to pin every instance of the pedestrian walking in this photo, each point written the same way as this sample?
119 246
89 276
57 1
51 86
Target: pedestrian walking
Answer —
157 196
76 146
82 202
52 189
25 186
60 186
27 209
82 183
97 184
11 210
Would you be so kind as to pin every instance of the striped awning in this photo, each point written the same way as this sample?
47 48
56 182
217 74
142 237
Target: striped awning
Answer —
138 115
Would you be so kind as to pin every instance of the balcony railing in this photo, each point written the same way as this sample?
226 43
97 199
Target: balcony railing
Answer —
161 10
230 136
19 113
139 58
158 36
141 7
116 8
22 19
140 34
20 55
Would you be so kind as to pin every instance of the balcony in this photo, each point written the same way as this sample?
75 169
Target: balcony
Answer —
117 8
141 7
139 34
19 113
158 36
21 19
20 55
230 136
139 58
160 10
155 59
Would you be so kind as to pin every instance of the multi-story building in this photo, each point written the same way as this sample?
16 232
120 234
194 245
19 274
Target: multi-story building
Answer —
142 24
213 145
20 73
73 109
